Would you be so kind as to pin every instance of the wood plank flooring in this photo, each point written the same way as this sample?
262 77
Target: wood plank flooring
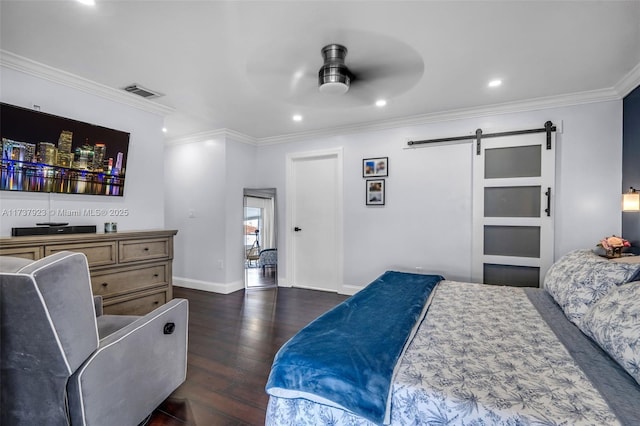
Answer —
232 341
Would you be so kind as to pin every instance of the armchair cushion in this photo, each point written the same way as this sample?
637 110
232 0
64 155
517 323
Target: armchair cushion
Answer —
25 331
10 264
109 324
48 329
64 286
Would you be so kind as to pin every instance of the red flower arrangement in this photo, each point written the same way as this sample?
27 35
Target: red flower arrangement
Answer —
613 245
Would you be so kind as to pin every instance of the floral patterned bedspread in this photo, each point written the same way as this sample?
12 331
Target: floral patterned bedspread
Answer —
482 356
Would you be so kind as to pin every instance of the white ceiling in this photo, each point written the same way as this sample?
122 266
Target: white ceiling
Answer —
232 64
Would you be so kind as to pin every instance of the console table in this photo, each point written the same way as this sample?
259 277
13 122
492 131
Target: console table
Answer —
132 271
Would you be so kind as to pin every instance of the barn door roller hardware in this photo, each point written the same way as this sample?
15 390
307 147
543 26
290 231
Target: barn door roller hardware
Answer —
548 128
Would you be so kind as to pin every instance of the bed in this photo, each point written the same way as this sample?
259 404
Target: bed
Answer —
459 353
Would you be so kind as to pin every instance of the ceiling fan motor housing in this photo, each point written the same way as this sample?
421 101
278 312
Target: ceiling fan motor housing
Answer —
334 77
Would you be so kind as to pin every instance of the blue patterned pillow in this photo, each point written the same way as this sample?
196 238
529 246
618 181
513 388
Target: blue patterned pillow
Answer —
614 323
580 278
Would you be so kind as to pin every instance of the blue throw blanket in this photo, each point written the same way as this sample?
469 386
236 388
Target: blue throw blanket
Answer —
346 358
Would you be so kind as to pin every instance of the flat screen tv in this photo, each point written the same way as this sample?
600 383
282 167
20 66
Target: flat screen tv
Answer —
46 153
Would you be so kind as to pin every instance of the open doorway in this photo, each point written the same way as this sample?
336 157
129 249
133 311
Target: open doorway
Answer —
260 255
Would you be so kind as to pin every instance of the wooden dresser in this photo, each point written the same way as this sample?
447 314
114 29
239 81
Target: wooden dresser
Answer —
132 271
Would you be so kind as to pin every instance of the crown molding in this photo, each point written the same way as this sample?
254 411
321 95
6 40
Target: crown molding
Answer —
601 95
240 137
212 135
458 114
629 82
571 99
46 72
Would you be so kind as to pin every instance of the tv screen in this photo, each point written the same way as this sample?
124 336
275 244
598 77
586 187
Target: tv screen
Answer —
46 153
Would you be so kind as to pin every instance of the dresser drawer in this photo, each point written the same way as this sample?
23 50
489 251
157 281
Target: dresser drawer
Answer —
31 253
131 270
113 282
99 253
137 250
140 305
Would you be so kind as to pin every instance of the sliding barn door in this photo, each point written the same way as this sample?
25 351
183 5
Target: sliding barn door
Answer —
513 209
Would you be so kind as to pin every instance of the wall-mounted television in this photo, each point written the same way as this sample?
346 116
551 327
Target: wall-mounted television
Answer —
46 153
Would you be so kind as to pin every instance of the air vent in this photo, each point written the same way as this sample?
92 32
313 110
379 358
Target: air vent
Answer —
141 91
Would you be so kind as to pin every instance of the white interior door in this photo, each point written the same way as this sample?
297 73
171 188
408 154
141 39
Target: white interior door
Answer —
314 221
513 210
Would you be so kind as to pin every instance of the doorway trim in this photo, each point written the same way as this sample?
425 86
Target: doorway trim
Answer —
291 158
267 194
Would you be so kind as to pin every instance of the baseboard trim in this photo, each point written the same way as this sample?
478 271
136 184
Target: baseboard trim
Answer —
350 290
208 285
212 287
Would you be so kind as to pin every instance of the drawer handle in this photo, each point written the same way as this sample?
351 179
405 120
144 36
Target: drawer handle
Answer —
155 275
105 284
146 249
156 302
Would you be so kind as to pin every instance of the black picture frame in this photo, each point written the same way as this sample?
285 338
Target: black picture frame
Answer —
375 167
375 192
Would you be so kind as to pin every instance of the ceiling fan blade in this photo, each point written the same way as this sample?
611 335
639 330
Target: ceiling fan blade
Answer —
384 82
381 67
385 71
278 80
364 93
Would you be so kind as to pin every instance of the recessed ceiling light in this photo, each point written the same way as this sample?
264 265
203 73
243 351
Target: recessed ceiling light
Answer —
495 83
381 103
297 117
87 2
164 130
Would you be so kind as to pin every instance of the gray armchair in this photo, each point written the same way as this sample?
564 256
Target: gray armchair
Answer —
63 362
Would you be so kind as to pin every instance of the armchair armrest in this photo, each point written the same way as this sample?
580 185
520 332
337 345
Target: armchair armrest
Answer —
133 370
97 303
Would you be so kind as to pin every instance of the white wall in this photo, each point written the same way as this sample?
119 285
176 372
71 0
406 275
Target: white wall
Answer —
195 186
427 218
143 194
589 176
241 173
204 201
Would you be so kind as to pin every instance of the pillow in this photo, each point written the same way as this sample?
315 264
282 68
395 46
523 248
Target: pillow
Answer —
614 323
580 278
626 259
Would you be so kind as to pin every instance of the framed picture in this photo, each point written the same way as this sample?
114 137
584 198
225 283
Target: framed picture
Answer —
375 167
375 192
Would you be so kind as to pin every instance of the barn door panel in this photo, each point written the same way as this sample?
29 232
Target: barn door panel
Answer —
513 213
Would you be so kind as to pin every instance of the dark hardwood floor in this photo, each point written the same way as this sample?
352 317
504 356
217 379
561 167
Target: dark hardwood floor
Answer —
257 277
232 341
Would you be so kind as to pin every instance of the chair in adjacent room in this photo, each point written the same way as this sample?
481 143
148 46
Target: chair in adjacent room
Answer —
253 254
65 362
268 259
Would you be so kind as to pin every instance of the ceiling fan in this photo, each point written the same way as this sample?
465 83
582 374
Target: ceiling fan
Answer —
378 67
334 77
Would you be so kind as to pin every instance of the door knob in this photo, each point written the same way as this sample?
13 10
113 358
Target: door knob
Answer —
297 229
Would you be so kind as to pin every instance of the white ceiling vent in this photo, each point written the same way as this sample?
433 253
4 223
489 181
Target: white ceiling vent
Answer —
136 89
